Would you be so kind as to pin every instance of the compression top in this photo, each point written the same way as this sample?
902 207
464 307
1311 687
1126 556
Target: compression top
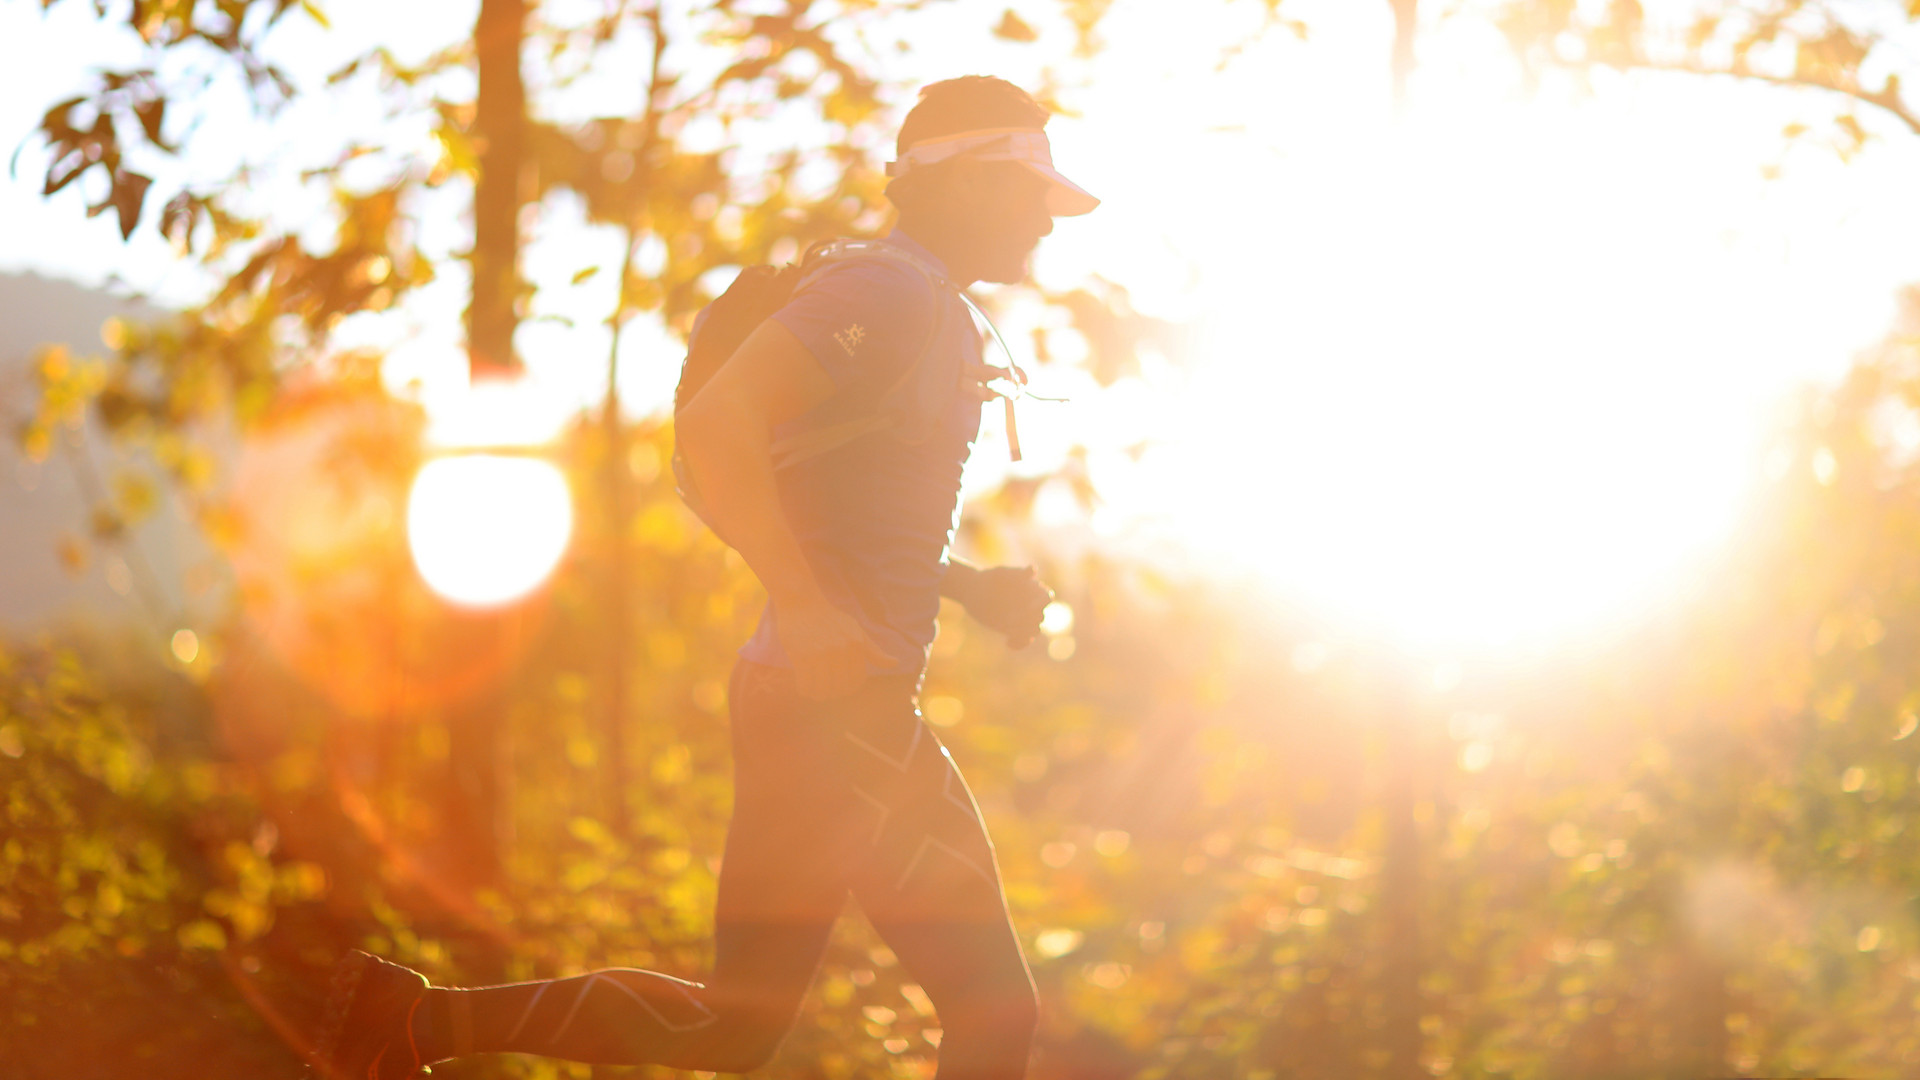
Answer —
874 517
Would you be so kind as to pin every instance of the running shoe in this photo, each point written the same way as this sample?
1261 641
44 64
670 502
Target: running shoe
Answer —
367 1032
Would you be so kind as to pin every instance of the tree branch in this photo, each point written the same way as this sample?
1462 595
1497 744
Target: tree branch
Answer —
1887 100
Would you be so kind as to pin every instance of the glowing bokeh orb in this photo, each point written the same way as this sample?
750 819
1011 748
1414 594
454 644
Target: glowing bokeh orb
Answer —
486 529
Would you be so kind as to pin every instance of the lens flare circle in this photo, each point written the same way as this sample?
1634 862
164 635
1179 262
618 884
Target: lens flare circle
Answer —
486 529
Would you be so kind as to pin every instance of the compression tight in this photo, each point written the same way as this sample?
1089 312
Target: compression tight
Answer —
852 796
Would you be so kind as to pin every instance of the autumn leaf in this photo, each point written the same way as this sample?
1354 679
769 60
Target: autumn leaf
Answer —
1012 27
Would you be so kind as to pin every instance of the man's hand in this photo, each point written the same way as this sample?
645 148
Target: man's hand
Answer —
1009 599
829 648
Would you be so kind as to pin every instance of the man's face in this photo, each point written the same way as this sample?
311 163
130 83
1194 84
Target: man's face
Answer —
1009 217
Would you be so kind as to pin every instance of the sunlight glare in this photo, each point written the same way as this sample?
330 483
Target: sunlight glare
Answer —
1473 404
486 529
493 412
1491 374
1460 384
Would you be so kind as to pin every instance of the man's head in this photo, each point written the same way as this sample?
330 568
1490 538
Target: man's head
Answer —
974 177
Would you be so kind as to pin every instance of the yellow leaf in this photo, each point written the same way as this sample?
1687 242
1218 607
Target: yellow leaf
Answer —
135 495
1013 28
301 881
202 934
73 555
37 442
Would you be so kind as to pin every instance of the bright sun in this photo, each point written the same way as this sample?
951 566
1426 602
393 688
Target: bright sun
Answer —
1465 405
486 529
1480 378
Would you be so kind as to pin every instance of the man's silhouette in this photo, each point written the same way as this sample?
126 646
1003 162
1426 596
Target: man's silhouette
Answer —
840 787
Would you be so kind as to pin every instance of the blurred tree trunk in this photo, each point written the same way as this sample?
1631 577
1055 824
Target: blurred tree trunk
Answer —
1400 886
1405 23
1401 855
477 825
1400 859
492 316
617 477
499 129
1703 1004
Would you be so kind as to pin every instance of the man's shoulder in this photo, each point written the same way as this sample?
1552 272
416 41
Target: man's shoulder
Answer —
869 277
864 315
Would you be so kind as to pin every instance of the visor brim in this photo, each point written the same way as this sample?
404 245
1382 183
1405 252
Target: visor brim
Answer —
1064 197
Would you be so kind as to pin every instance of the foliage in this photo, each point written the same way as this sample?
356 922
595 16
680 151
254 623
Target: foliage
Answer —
135 880
281 285
1852 51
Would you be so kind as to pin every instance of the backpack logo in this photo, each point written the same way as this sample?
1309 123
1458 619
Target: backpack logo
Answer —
851 337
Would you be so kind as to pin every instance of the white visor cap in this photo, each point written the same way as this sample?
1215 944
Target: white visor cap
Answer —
1028 146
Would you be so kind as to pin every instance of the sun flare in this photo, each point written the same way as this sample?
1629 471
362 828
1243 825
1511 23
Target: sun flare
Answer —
486 529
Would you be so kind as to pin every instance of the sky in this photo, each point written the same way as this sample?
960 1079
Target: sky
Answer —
1473 376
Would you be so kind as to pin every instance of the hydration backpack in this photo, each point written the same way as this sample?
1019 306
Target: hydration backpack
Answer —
753 297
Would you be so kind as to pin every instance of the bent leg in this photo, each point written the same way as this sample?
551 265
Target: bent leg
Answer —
782 884
930 886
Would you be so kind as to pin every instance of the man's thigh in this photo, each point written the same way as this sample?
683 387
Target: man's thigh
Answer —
855 794
928 881
786 871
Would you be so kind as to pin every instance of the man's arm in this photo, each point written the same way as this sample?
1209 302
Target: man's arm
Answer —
726 436
956 580
1009 599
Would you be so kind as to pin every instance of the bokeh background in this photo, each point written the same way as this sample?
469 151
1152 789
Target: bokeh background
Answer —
1485 511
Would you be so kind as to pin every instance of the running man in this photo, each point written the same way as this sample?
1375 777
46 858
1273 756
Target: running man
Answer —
840 787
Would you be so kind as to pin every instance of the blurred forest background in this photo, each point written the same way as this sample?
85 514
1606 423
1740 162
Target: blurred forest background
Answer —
1235 847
